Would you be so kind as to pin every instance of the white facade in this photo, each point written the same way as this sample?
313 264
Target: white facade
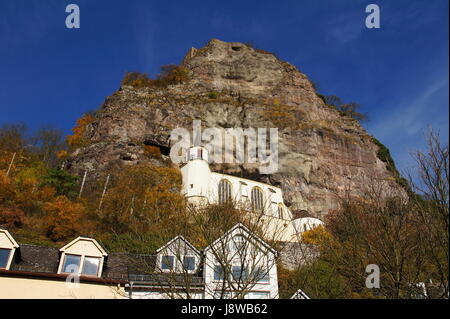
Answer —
202 186
250 264
249 269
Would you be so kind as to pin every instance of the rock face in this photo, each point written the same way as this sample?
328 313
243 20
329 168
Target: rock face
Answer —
321 152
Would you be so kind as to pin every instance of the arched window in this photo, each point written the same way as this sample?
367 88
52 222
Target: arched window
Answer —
280 211
257 199
224 191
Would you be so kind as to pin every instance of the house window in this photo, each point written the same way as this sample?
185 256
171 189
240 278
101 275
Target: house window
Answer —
4 257
90 266
261 275
189 263
71 264
258 295
257 198
239 273
224 191
167 262
218 272
218 294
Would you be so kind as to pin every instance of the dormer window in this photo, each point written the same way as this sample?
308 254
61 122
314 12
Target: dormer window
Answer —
83 256
90 266
178 256
71 264
4 257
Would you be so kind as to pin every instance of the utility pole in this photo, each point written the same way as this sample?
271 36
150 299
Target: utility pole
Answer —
132 205
10 164
104 192
82 184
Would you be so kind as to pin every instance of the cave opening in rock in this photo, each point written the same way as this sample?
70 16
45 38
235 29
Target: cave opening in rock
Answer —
163 149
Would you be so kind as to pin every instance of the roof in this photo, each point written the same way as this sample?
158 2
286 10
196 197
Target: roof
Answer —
43 261
179 237
299 294
244 180
102 250
249 232
36 259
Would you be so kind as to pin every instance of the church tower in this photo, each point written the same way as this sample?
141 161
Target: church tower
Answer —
196 175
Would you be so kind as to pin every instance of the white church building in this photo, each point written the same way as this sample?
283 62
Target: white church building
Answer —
203 186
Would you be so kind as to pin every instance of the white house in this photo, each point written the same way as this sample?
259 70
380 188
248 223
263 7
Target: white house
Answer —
237 265
240 264
83 269
202 186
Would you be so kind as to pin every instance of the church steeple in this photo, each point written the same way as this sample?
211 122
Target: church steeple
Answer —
197 153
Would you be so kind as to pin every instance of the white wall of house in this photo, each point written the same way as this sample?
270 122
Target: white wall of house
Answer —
160 295
258 255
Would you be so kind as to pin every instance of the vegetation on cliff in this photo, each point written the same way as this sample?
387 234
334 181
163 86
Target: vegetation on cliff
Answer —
142 209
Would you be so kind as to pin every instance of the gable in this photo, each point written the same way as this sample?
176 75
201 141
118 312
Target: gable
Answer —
241 230
179 246
84 246
6 240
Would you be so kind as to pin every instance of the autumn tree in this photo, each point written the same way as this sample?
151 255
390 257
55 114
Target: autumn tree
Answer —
63 218
78 138
63 182
47 141
205 225
141 197
11 217
432 203
350 109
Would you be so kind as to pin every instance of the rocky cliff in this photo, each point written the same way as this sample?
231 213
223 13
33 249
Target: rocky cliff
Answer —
321 151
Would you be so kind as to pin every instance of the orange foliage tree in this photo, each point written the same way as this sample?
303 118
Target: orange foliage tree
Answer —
78 139
11 217
63 218
140 197
7 191
152 151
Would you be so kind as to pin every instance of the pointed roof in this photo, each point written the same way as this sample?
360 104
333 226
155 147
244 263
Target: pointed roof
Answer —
242 227
9 237
102 250
179 237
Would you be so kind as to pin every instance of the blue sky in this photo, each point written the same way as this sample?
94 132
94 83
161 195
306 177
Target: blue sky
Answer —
398 73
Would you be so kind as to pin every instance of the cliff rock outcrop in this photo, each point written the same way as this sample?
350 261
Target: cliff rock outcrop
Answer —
321 151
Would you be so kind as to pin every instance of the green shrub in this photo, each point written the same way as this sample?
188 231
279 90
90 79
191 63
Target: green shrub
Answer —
64 183
213 95
322 97
384 155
